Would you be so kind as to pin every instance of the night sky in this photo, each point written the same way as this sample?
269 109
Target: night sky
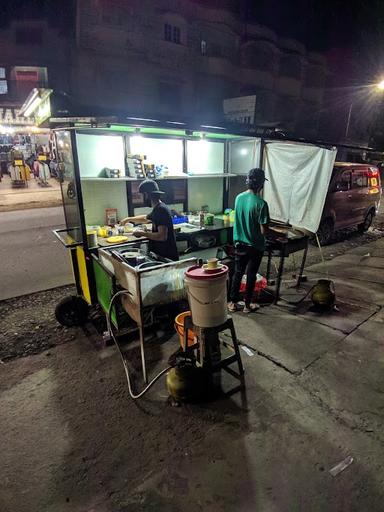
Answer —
322 24
59 13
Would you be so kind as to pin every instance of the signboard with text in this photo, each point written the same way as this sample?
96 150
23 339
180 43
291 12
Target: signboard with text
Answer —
241 109
10 116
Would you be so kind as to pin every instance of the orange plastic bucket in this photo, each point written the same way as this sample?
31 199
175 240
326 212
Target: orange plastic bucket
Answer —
179 326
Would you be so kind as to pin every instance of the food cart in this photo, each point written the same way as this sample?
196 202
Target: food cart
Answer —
200 170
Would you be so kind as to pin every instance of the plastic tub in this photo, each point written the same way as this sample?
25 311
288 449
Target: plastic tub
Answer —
207 295
179 326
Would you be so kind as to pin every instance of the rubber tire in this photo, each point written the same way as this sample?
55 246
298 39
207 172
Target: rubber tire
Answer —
364 226
325 232
72 311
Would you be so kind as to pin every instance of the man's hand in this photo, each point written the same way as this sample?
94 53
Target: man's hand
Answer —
139 233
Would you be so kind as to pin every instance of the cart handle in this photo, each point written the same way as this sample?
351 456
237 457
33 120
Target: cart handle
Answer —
57 235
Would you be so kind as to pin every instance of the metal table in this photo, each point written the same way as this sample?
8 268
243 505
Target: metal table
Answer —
282 248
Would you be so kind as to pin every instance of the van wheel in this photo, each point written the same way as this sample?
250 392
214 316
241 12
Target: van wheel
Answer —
325 232
366 224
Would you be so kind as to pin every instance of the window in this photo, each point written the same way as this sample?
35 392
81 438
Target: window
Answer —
359 180
26 80
172 33
343 183
29 36
176 35
168 32
3 82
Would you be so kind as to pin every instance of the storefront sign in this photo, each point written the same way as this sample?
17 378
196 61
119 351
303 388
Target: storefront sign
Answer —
11 116
43 111
241 109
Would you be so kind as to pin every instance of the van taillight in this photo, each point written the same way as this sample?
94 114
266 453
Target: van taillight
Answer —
373 180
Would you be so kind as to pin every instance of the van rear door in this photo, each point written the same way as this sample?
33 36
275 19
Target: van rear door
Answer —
340 199
360 194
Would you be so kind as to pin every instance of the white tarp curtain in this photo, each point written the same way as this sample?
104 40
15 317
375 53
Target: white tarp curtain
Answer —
299 176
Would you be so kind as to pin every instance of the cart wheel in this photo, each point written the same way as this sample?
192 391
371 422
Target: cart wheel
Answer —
71 311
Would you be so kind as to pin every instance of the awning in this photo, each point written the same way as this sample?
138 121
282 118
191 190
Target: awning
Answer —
38 105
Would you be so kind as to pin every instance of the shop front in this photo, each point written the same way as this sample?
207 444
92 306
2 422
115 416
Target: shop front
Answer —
21 141
200 171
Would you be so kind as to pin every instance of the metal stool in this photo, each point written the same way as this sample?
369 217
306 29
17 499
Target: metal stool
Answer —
208 340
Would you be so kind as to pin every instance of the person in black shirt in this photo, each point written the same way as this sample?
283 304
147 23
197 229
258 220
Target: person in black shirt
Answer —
162 240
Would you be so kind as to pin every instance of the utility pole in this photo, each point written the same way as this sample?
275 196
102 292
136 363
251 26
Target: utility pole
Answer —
348 121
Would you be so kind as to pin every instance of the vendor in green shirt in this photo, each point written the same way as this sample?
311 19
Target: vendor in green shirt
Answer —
251 225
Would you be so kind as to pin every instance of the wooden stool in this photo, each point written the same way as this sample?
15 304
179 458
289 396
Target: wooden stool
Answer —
208 340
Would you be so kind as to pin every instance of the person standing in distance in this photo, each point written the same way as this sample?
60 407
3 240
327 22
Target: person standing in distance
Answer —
250 228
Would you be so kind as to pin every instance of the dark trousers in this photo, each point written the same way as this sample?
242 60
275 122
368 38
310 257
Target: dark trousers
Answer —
246 257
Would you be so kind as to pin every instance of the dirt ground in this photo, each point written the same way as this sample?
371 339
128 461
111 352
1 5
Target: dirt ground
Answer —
73 441
29 325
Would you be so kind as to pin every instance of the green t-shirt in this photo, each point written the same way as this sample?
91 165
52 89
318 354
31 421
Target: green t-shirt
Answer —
250 211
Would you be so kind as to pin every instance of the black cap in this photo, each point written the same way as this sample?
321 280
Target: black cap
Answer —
149 187
255 179
257 175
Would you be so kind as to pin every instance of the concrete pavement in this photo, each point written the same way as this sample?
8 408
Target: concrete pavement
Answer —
33 196
74 440
31 258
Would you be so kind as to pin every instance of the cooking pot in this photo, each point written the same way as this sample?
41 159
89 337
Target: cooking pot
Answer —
133 257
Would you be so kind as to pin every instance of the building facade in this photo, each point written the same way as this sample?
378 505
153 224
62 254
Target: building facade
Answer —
184 57
32 55
172 58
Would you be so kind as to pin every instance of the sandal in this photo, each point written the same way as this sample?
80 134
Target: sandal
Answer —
232 307
251 308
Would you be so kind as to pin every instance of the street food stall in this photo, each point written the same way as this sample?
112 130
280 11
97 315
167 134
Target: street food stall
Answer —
200 171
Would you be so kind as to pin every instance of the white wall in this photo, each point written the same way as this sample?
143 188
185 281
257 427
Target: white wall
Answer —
99 195
244 155
205 191
99 151
168 152
205 157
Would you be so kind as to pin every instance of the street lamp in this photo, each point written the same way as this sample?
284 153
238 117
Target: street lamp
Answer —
379 86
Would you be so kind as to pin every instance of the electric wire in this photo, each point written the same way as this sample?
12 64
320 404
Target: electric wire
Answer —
126 369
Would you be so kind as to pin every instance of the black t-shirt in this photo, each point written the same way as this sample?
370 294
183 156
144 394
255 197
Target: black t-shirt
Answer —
161 216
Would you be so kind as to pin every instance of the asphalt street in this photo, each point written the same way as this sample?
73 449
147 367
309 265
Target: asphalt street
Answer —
31 258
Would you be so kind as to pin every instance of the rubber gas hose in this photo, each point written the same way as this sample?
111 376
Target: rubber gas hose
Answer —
110 330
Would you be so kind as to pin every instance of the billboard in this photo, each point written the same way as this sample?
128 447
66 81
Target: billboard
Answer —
241 109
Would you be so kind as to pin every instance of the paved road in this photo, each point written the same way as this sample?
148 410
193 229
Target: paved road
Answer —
31 259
